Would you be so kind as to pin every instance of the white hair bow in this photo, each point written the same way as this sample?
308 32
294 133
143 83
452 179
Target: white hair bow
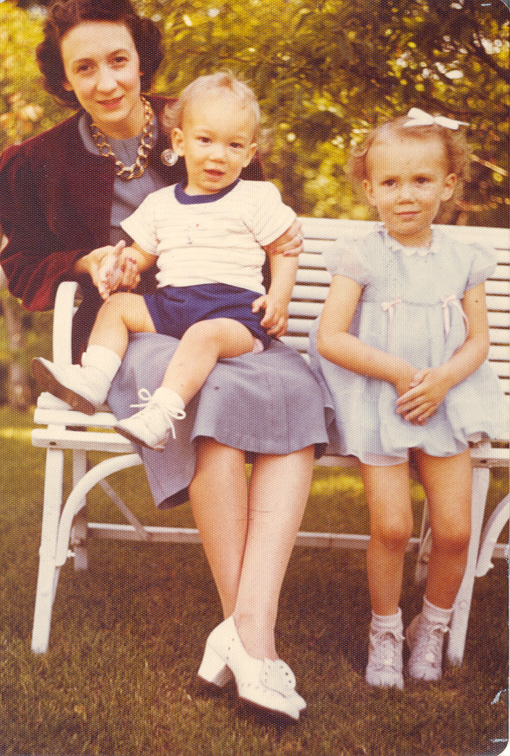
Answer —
421 118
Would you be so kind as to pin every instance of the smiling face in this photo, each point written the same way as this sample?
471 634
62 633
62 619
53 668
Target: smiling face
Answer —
102 68
407 181
216 140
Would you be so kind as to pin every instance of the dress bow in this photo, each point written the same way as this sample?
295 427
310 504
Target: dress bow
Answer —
421 118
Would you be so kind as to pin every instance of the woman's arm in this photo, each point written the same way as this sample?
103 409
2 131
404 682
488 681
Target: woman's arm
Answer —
33 259
289 244
45 236
336 344
430 386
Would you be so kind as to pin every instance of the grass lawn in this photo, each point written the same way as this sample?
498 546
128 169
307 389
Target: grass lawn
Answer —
127 638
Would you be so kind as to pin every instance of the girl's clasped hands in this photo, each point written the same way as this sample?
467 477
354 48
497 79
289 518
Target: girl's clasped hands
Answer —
426 391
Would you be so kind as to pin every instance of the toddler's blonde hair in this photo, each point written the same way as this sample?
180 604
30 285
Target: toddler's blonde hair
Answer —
222 80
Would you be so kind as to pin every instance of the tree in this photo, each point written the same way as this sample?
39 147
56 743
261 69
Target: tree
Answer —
325 72
24 111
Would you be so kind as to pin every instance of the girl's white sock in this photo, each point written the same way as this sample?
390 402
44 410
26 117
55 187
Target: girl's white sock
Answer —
387 622
169 398
436 615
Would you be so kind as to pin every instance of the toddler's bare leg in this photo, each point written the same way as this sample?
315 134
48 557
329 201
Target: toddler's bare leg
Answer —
203 344
120 315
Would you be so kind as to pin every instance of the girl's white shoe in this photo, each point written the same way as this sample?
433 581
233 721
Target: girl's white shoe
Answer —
269 685
425 641
385 661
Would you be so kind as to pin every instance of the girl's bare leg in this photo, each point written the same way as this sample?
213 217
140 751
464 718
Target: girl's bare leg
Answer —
248 539
391 523
447 483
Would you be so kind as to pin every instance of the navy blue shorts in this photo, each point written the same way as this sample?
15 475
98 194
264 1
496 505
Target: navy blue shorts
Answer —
174 309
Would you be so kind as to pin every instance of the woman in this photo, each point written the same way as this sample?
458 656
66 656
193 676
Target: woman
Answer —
64 194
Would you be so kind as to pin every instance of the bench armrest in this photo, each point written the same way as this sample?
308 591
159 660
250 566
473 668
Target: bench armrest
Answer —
63 320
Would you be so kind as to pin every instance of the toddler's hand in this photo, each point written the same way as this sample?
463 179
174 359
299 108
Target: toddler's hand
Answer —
426 391
404 378
275 318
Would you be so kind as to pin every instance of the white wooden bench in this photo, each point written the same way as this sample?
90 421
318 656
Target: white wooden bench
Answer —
65 529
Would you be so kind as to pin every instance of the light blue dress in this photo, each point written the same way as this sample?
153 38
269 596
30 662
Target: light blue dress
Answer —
410 306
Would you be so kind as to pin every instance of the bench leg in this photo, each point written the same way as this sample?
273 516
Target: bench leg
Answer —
79 530
462 606
47 578
79 493
490 536
422 560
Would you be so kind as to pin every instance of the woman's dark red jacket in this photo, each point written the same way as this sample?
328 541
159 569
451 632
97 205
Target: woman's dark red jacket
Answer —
55 206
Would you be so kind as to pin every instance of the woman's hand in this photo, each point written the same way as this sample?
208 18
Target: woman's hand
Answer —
111 268
118 271
427 390
289 244
109 274
276 315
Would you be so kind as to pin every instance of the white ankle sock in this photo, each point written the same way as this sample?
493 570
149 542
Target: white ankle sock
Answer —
169 398
102 358
387 622
435 614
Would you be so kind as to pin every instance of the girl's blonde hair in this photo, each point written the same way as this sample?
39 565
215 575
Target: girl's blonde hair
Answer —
454 143
222 80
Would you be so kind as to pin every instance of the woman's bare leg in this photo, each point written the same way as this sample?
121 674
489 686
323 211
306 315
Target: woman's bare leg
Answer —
219 501
279 490
248 540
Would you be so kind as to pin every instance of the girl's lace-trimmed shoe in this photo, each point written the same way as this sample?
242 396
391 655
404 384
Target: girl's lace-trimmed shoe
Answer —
385 659
266 684
425 640
152 426
83 388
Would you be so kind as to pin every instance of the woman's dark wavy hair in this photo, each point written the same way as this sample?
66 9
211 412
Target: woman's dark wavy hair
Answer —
64 15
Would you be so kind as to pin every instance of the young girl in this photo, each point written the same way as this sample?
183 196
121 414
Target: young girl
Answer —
402 344
207 237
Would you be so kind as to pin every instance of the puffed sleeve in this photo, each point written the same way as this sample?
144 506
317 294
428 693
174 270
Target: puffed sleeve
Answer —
483 265
345 258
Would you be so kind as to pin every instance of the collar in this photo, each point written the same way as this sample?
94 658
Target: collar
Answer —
199 199
396 246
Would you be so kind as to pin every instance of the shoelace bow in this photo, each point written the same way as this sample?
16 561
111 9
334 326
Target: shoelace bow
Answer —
387 640
148 401
431 642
